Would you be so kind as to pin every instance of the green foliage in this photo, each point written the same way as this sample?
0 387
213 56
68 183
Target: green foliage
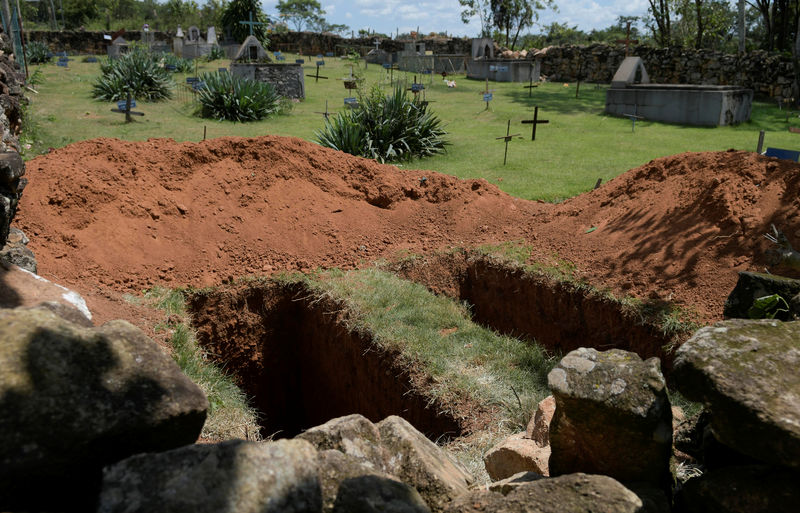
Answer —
241 10
768 307
386 128
233 98
300 12
37 52
215 54
138 72
181 65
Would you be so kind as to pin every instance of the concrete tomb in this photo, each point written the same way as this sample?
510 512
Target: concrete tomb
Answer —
700 105
118 47
191 45
253 62
483 64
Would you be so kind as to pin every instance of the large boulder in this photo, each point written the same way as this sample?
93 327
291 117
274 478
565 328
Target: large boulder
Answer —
746 372
515 454
743 489
11 185
353 435
612 417
375 494
73 399
538 428
574 493
752 286
422 464
229 477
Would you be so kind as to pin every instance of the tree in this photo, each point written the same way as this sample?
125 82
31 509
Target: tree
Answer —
481 8
78 12
662 28
515 15
241 10
320 24
300 12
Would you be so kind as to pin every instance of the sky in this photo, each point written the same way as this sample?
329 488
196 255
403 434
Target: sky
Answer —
386 16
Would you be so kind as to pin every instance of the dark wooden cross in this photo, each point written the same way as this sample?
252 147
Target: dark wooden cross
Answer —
125 106
251 23
628 39
317 76
633 117
579 77
415 87
535 121
507 138
531 85
326 113
487 94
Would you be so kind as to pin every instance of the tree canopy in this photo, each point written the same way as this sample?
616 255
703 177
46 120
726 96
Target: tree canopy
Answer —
301 12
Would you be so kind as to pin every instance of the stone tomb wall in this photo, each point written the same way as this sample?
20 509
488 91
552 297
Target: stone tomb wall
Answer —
287 79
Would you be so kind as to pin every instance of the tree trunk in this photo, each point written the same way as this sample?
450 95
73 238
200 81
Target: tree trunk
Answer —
698 6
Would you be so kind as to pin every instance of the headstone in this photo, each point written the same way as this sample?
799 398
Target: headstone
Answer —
251 50
631 71
193 34
179 33
211 37
482 48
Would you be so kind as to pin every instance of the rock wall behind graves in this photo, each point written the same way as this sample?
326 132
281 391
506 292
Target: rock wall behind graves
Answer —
286 78
767 74
78 41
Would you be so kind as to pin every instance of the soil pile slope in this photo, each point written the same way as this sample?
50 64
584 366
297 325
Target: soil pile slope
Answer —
110 216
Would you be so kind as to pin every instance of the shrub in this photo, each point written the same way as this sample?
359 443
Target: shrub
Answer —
386 128
181 65
216 53
139 72
37 52
225 96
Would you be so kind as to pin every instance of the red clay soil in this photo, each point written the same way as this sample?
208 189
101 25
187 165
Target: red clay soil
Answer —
108 216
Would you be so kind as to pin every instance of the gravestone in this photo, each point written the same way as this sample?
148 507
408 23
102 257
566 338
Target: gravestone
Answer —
631 71
482 48
211 36
193 35
118 47
251 50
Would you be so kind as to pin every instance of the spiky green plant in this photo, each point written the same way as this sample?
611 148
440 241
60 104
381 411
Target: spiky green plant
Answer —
139 72
215 54
181 65
37 52
228 97
387 128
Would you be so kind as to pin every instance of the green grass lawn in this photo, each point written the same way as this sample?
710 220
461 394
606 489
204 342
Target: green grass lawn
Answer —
579 145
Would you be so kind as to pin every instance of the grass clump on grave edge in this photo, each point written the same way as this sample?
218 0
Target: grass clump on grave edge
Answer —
232 98
37 52
229 414
385 127
138 72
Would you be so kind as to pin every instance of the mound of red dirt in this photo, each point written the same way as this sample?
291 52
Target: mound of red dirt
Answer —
106 216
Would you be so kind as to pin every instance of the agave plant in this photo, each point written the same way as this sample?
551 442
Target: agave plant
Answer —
37 52
138 72
387 128
233 98
215 54
181 65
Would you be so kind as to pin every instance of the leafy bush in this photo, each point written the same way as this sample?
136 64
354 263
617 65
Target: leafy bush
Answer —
386 128
37 52
215 54
768 307
139 72
233 98
181 65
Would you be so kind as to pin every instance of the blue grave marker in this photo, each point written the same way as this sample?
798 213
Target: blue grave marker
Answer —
63 64
487 97
91 59
192 80
222 70
123 104
170 67
320 63
299 61
328 54
351 102
782 154
415 88
386 65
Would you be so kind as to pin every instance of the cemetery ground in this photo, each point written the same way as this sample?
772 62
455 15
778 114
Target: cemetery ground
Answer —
579 144
335 268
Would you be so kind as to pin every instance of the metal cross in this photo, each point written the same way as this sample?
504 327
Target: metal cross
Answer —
633 117
326 113
535 121
317 76
251 23
507 138
627 39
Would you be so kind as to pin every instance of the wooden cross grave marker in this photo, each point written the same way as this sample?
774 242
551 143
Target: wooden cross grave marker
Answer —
250 23
507 138
416 88
633 117
627 39
579 78
487 94
125 106
326 113
317 76
535 121
530 85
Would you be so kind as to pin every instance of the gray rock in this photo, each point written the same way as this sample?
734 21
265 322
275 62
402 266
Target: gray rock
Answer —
612 417
422 464
74 399
751 286
233 476
20 256
744 489
573 493
505 486
746 372
335 467
353 435
375 494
